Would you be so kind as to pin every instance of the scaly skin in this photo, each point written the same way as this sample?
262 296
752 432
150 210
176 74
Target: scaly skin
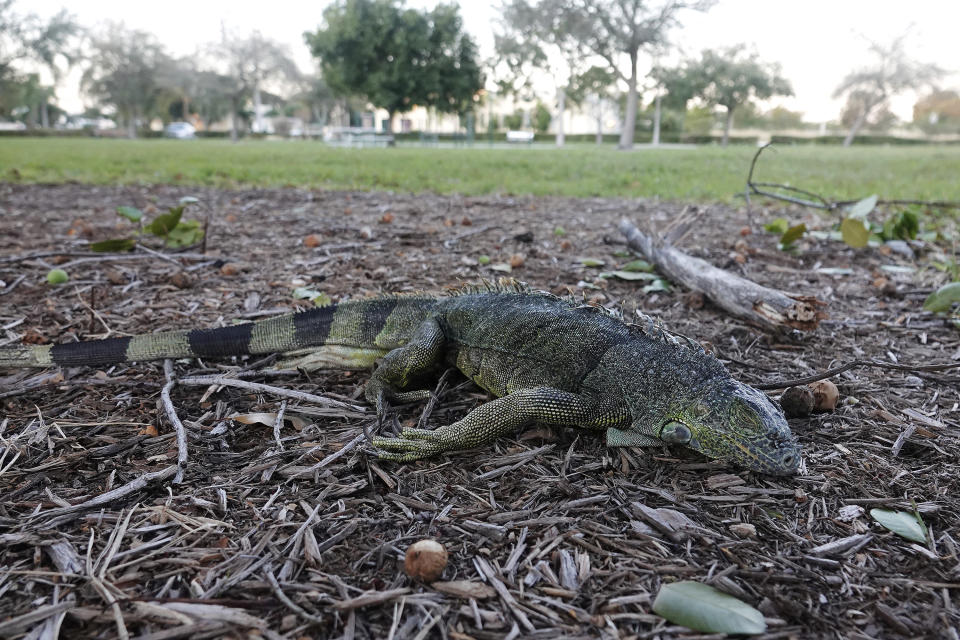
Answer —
548 361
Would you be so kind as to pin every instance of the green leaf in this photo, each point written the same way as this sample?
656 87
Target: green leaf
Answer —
57 276
906 525
185 234
863 208
114 245
779 225
621 254
637 265
164 223
792 234
483 259
854 232
629 275
943 298
657 285
130 213
703 608
907 226
559 231
318 298
592 262
322 300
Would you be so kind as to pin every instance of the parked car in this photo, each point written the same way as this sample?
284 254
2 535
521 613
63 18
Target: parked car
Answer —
180 131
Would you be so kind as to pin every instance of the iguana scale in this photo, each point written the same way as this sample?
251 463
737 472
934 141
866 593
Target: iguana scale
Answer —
548 360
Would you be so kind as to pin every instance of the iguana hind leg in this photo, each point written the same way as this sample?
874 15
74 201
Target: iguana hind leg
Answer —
496 418
404 364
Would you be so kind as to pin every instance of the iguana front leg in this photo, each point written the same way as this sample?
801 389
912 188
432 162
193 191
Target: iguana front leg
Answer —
500 417
399 367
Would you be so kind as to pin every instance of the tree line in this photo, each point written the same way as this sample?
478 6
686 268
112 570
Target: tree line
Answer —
382 53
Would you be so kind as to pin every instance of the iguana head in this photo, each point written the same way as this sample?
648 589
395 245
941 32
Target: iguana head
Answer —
722 419
731 421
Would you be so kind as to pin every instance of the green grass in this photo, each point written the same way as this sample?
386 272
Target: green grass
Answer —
701 174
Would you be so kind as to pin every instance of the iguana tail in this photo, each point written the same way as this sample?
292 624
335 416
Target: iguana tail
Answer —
349 335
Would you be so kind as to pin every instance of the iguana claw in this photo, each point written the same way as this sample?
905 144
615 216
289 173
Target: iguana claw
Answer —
413 444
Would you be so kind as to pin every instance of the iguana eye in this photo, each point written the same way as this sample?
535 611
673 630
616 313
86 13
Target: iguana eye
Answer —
676 433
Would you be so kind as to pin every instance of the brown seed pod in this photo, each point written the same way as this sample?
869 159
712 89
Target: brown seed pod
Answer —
825 395
797 402
425 560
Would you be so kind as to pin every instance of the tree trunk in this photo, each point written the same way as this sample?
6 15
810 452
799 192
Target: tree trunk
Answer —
861 118
44 116
630 117
656 121
234 107
132 124
561 107
726 127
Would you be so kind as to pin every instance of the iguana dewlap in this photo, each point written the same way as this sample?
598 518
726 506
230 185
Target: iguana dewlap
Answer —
547 359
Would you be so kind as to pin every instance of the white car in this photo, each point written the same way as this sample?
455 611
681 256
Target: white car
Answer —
180 131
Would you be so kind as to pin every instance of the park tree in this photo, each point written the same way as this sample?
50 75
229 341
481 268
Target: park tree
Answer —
396 57
891 73
731 78
26 38
451 67
938 112
545 36
619 30
596 86
248 63
123 71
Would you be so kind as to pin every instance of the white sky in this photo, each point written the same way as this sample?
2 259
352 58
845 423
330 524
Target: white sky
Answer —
816 41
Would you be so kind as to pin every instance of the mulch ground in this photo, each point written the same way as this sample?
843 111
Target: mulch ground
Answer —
549 533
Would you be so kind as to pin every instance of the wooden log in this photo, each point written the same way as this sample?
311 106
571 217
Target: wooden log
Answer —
769 308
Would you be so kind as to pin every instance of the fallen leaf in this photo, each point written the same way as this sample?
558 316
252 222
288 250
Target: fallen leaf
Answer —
703 608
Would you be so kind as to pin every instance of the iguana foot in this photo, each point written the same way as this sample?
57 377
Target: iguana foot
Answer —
413 444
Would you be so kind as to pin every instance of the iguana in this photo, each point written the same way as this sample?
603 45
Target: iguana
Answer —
548 359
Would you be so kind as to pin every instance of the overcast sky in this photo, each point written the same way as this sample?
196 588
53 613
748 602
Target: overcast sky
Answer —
816 41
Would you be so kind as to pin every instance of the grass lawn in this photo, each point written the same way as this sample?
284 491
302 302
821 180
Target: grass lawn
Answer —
702 174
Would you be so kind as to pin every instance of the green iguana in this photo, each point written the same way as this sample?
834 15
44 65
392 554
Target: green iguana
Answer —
548 360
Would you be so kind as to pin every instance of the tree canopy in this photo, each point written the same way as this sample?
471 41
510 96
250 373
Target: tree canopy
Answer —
538 36
892 72
729 78
623 28
397 57
122 72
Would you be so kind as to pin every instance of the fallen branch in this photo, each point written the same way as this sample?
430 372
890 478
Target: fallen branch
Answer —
766 307
815 200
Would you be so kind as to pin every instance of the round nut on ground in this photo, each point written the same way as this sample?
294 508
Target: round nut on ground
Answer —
425 560
825 395
797 402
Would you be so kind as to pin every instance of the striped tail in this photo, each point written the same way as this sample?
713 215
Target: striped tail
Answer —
368 327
